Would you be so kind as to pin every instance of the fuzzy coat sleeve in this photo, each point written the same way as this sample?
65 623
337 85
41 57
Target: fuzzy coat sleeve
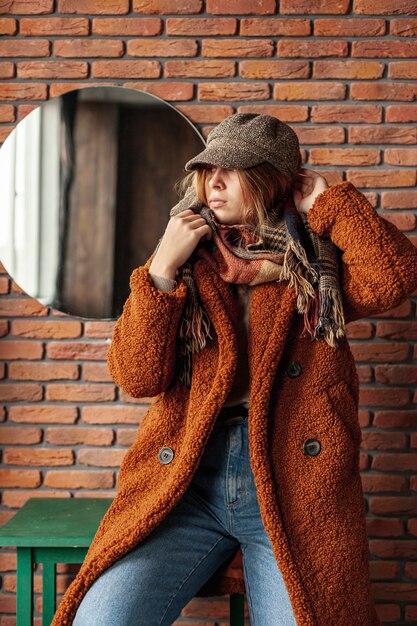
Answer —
142 354
378 262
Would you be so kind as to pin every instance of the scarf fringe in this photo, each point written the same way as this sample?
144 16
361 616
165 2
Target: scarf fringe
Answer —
193 333
300 273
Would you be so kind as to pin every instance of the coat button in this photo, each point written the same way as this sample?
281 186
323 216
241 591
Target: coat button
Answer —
293 369
311 447
165 455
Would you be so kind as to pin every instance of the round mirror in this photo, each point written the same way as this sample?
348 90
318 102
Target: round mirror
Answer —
87 184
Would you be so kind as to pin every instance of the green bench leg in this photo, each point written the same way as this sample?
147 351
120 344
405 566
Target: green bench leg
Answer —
48 592
24 587
237 609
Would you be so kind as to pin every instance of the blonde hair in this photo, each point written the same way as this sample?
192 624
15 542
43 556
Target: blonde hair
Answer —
262 187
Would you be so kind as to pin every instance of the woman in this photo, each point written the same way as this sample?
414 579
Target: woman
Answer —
266 464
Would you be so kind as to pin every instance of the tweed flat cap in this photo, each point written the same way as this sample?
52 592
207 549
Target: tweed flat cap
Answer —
243 140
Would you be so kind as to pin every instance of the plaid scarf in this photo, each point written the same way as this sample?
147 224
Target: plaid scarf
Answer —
289 250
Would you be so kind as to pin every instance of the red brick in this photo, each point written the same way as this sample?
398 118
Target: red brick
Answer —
88 48
37 456
359 329
162 47
351 70
399 199
5 132
25 48
57 88
383 91
139 26
72 392
20 435
402 69
233 91
349 27
4 285
20 478
28 6
205 113
310 90
99 329
384 396
403 221
96 372
7 111
100 458
116 414
397 330
396 418
125 437
43 414
92 6
204 26
167 91
344 156
19 307
46 329
403 27
126 69
195 69
241 6
312 48
74 26
384 49
388 351
10 349
19 392
384 441
275 27
8 561
76 350
402 157
237 48
274 69
310 134
316 7
167 6
8 26
7 605
43 371
80 479
382 134
384 7
79 436
381 178
52 69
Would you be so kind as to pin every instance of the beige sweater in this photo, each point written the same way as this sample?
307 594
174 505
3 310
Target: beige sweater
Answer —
239 392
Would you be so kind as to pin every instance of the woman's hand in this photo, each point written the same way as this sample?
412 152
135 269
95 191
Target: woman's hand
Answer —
182 234
307 186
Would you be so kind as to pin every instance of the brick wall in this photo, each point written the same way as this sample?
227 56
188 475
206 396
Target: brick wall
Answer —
343 75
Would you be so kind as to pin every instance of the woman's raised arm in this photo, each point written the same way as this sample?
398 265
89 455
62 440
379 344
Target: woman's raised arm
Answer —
379 262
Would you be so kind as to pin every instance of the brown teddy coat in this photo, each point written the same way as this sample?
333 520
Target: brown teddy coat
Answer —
312 506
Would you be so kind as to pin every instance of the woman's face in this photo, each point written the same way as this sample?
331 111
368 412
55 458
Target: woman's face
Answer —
224 185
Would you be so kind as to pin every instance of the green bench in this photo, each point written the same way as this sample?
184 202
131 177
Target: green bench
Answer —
60 530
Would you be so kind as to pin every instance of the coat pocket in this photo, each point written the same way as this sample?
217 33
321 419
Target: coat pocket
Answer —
345 407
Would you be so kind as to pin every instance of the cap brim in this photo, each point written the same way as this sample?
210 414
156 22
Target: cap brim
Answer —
232 155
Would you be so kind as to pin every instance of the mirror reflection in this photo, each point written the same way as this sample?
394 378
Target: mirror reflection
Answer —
87 184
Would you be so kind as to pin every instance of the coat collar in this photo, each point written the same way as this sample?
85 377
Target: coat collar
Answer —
271 311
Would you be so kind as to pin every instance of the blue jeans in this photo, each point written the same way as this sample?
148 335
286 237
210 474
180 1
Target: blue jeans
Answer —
152 583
